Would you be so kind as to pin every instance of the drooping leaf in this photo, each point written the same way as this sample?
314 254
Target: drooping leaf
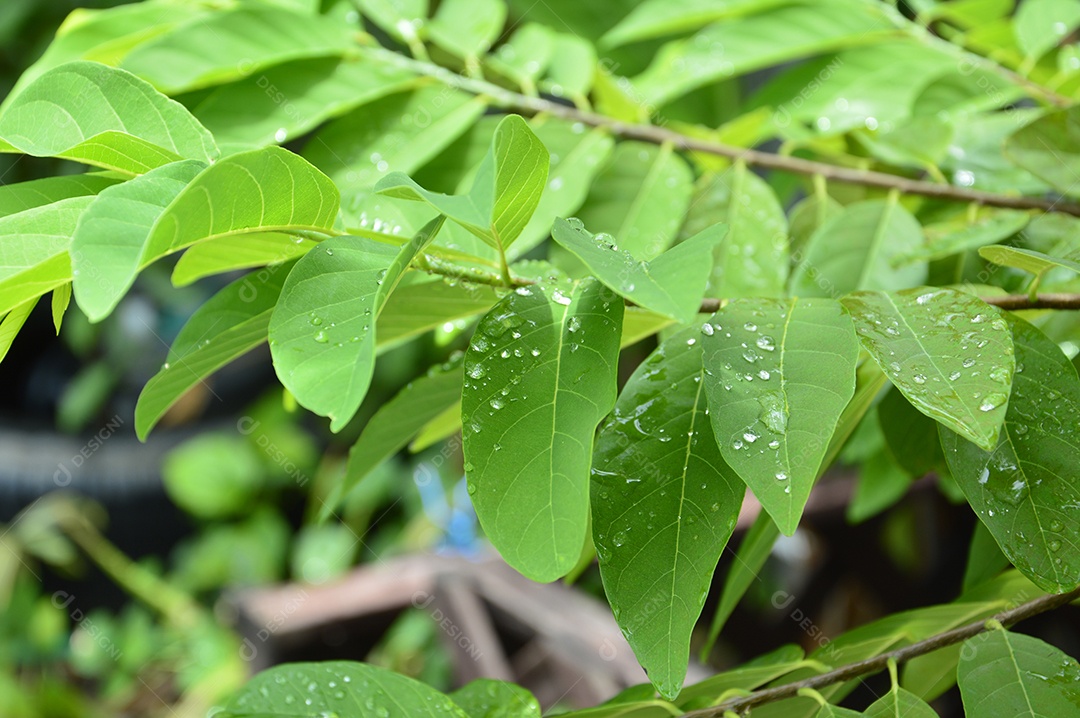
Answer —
241 251
750 675
899 703
1026 259
539 376
1005 674
34 250
881 483
911 436
339 687
858 250
778 374
664 505
420 304
245 41
961 234
21 196
1049 148
467 28
828 710
12 322
228 325
671 284
985 559
485 698
109 245
1041 24
1021 486
61 298
103 116
640 197
807 217
506 189
322 331
913 336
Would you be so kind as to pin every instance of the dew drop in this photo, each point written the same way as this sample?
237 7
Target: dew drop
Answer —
321 337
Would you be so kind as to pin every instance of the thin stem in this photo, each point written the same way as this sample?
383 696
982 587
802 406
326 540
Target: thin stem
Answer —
658 135
900 655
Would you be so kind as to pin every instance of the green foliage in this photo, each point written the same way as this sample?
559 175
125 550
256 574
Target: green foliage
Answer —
788 299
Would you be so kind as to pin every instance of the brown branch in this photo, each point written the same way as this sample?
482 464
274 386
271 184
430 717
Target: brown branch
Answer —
659 135
877 663
1008 301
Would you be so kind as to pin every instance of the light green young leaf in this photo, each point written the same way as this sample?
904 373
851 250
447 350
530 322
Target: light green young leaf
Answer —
1022 487
286 101
401 19
228 325
657 18
245 40
525 56
1040 25
12 322
573 63
385 693
485 698
241 251
467 28
628 709
753 674
858 250
322 332
913 336
664 504
505 191
778 374
809 215
672 284
397 421
421 303
213 475
1049 148
1026 259
103 116
962 234
441 427
110 241
21 196
539 376
1009 675
61 298
732 48
34 250
640 196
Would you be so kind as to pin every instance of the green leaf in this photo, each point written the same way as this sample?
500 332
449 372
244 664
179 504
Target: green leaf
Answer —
664 504
962 234
34 250
809 215
228 325
420 304
110 241
12 322
753 260
912 437
539 376
640 196
573 63
245 41
61 298
286 101
485 698
629 709
324 552
657 18
828 710
753 674
213 475
779 373
21 196
913 336
525 56
858 250
1049 148
899 703
397 421
401 19
339 687
985 559
241 251
505 191
672 284
1022 487
1040 25
442 427
322 332
102 116
467 28
1004 674
1026 259
881 483
735 47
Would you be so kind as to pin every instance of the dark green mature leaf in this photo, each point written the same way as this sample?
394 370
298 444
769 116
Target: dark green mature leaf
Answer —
34 250
228 325
828 710
671 284
288 100
913 335
539 376
467 28
1010 675
398 420
664 505
338 687
110 241
881 483
911 436
985 559
640 197
245 41
628 709
1022 487
753 674
1026 259
729 49
486 698
1049 148
102 116
21 196
858 250
778 372
240 251
322 332
899 703
657 18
